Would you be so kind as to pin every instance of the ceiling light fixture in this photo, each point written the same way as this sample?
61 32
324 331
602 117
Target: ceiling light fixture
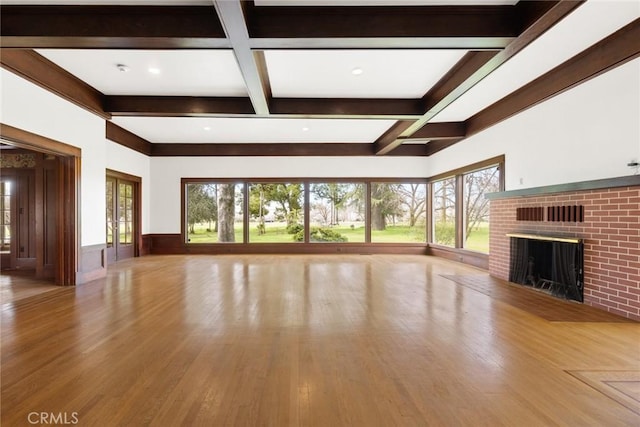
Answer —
305 129
154 70
357 71
122 68
207 128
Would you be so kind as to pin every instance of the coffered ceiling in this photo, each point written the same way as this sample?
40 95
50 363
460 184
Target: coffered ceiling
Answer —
311 77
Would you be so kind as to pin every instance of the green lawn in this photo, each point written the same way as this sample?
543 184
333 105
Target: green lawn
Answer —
399 234
276 233
201 234
478 239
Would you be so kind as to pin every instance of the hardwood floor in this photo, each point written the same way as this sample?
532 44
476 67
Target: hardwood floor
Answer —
376 340
16 285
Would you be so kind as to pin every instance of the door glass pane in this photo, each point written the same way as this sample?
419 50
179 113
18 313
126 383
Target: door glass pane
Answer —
5 216
476 207
110 206
444 212
126 213
398 212
276 213
337 212
214 212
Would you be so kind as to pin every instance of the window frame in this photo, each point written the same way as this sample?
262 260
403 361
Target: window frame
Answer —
458 252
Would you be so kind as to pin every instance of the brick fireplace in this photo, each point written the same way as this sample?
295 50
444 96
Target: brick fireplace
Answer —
605 214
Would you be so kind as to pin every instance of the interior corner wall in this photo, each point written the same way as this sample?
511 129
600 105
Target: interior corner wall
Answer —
122 159
586 133
29 107
167 172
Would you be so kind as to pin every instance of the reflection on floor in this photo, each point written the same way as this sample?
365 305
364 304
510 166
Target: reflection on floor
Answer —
16 285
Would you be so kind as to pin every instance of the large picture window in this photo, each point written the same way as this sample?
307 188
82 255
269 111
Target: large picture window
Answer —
477 185
337 212
444 211
398 212
276 212
459 206
290 211
214 212
450 209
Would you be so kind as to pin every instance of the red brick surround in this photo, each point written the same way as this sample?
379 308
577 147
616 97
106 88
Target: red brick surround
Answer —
611 233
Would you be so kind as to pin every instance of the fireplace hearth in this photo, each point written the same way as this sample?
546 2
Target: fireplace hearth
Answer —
547 263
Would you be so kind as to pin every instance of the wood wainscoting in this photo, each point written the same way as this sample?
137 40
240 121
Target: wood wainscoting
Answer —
168 244
475 259
92 263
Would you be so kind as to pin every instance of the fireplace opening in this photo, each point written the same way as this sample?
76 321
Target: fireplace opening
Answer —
551 264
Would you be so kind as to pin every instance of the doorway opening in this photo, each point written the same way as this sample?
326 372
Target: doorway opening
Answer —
39 185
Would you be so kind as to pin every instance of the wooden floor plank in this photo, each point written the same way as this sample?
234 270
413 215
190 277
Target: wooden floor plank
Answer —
311 340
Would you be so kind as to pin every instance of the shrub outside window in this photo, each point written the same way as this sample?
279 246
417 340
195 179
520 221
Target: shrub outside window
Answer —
444 212
337 212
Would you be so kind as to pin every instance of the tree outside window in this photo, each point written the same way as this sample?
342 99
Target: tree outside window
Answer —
337 212
276 212
214 213
476 207
398 212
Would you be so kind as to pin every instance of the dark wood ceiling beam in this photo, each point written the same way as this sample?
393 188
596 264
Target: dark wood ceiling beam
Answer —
130 140
613 51
440 144
193 106
409 150
130 27
443 130
258 149
475 66
177 106
389 141
44 73
455 82
481 27
232 18
467 43
400 108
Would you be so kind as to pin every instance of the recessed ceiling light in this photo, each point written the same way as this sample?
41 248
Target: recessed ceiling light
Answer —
305 129
356 71
122 68
207 128
154 70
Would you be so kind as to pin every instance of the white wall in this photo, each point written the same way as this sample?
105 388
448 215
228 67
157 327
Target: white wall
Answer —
31 108
589 132
123 159
167 171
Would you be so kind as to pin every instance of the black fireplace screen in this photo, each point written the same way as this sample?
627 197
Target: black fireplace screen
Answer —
554 266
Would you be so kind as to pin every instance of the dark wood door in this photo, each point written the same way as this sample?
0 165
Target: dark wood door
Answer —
121 215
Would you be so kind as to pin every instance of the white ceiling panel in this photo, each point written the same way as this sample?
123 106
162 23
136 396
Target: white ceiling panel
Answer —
584 27
384 73
202 130
154 72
